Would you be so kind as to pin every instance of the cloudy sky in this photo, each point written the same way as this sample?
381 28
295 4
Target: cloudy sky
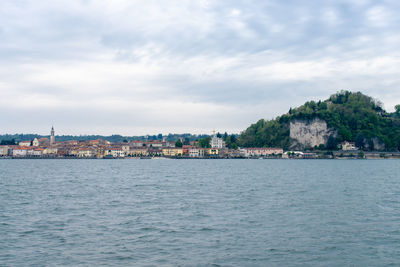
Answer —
146 67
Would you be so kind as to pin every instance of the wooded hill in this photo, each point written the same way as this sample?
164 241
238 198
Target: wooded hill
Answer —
354 116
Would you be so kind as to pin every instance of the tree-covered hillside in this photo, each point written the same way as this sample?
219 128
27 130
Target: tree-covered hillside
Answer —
355 117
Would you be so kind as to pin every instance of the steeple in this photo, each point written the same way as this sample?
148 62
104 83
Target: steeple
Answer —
52 137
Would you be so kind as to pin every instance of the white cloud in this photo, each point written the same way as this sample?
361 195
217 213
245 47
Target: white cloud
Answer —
331 17
378 16
187 65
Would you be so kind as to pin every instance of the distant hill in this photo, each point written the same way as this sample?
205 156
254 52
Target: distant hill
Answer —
111 138
345 116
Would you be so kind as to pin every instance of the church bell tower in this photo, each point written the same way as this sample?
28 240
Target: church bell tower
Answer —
52 137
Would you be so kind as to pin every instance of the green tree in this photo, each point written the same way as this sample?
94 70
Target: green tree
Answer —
397 112
178 143
8 142
348 113
225 136
331 143
186 141
205 142
360 141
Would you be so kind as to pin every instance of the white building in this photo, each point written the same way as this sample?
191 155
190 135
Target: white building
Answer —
217 142
196 152
35 152
348 146
24 143
35 142
115 153
260 151
20 152
85 153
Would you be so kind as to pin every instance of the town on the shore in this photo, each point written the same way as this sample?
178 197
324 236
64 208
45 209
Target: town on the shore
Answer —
103 149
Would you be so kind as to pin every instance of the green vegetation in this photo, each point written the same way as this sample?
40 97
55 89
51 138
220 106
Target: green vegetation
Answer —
230 141
178 143
273 133
355 117
8 142
205 142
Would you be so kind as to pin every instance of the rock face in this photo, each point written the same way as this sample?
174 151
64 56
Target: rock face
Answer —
309 133
378 144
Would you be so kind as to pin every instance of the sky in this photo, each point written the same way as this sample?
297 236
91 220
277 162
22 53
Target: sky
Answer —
178 66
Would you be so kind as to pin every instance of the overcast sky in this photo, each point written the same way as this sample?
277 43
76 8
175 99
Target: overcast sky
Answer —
147 67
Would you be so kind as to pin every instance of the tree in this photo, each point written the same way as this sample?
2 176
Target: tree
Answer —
178 143
186 141
233 138
205 142
230 141
8 142
397 112
219 135
225 136
331 144
360 141
348 113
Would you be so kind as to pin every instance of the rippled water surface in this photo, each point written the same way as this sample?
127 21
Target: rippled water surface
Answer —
199 212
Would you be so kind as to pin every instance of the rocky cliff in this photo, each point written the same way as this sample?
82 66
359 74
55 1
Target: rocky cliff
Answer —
309 133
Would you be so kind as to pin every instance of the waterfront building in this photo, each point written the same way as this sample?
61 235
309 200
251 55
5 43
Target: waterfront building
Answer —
35 152
230 153
115 152
172 151
261 151
138 152
348 146
213 151
155 151
4 151
20 151
50 151
196 152
186 149
73 152
86 152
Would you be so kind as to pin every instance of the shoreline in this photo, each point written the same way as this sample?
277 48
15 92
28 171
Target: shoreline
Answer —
200 158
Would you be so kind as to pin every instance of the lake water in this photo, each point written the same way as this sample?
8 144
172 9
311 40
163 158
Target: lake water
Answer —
199 212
